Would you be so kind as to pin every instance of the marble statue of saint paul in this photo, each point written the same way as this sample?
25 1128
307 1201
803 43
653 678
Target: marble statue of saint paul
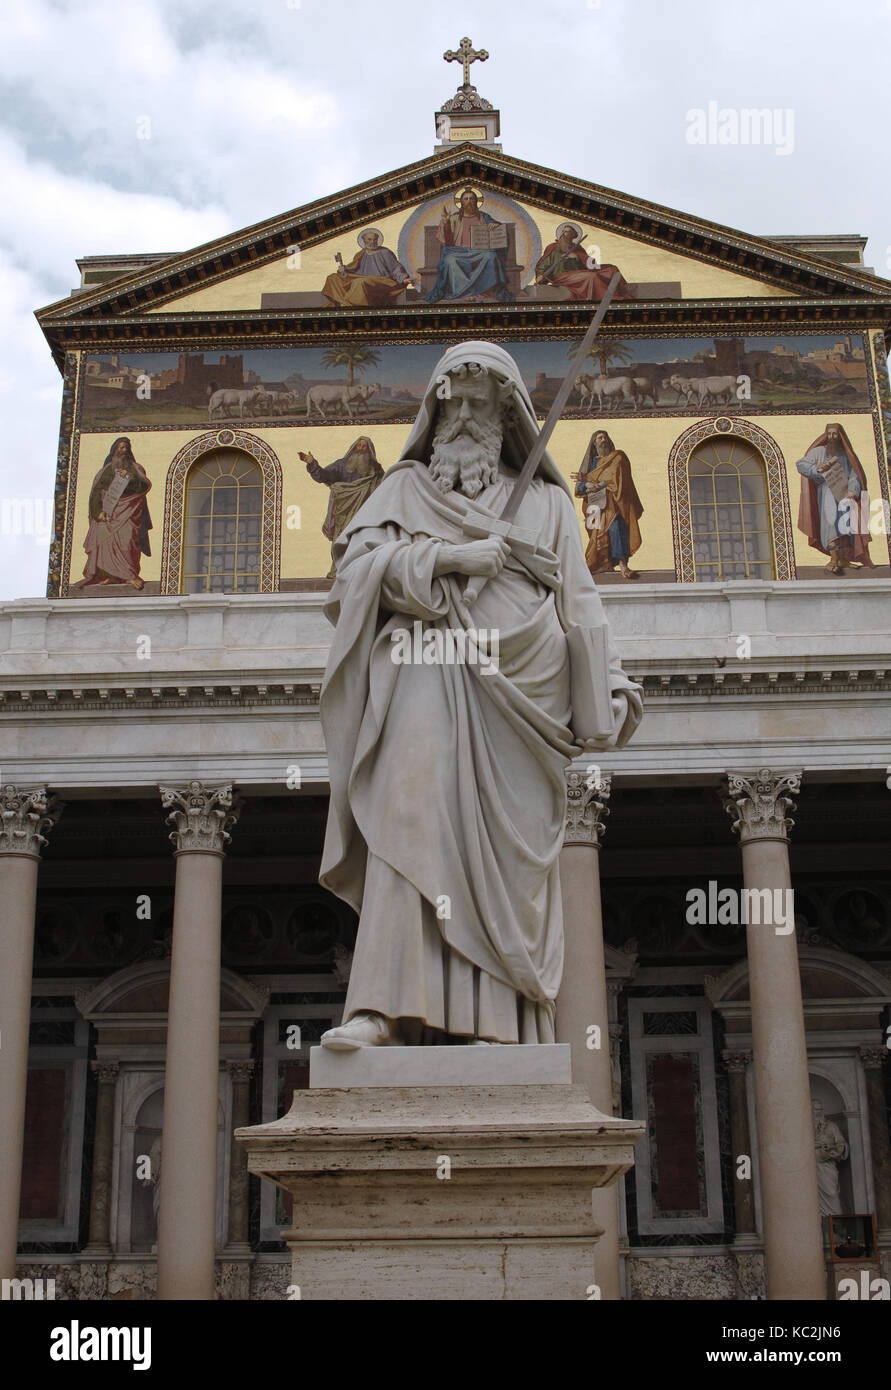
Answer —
447 773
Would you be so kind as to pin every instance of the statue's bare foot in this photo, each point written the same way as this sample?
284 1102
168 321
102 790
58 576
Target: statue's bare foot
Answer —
363 1030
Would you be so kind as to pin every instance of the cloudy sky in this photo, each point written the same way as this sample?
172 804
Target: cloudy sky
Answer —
252 108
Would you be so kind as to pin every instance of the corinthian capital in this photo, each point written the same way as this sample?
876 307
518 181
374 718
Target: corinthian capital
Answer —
201 816
759 803
105 1072
24 816
587 794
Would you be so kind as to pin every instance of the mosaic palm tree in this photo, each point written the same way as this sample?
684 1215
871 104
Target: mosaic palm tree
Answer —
353 357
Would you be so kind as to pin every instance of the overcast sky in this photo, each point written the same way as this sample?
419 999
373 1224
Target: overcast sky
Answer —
258 107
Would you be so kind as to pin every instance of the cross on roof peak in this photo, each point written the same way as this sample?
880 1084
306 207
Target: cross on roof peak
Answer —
466 55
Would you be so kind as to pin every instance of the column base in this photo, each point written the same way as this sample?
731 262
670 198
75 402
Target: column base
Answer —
459 1192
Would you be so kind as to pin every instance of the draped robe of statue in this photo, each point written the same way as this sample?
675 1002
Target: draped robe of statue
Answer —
447 788
832 1148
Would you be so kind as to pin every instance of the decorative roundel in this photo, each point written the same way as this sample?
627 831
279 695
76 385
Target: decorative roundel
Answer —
576 230
723 424
480 199
364 237
225 437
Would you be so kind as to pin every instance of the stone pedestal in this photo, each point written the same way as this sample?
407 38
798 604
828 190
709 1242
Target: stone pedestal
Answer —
443 1192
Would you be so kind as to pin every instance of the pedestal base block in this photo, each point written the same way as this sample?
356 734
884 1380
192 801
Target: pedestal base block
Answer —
442 1192
495 1065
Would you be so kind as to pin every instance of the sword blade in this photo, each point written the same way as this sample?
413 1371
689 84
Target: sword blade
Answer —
527 473
536 455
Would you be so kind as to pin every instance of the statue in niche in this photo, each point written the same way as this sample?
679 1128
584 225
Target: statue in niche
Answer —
832 1149
447 774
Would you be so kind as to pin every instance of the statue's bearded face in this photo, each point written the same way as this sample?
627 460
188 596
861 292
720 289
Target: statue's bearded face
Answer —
467 441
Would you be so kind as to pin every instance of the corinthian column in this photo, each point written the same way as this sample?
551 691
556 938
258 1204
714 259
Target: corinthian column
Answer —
103 1147
793 1241
24 816
201 818
582 1009
874 1059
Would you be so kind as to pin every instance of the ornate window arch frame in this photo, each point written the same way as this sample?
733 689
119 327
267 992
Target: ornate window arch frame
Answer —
271 508
777 492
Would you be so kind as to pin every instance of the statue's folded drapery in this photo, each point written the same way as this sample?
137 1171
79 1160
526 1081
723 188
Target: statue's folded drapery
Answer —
447 787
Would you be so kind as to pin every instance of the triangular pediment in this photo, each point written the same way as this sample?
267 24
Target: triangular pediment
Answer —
284 263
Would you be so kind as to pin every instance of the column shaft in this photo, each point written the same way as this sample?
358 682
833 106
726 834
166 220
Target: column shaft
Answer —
793 1243
19 891
24 815
873 1062
238 1170
740 1139
187 1212
103 1149
188 1192
582 1001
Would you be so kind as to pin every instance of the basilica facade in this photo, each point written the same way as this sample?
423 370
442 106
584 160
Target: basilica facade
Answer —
170 958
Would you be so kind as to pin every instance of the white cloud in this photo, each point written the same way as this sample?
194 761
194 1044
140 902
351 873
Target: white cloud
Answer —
57 216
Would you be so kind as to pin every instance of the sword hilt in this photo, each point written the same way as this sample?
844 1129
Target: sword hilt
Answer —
496 527
474 588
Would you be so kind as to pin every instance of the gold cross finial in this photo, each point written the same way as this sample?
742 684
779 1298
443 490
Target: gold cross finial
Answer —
466 54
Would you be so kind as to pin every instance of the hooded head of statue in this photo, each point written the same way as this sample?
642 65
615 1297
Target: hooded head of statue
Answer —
476 411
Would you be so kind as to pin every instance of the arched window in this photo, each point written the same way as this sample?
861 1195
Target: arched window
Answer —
729 511
224 494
